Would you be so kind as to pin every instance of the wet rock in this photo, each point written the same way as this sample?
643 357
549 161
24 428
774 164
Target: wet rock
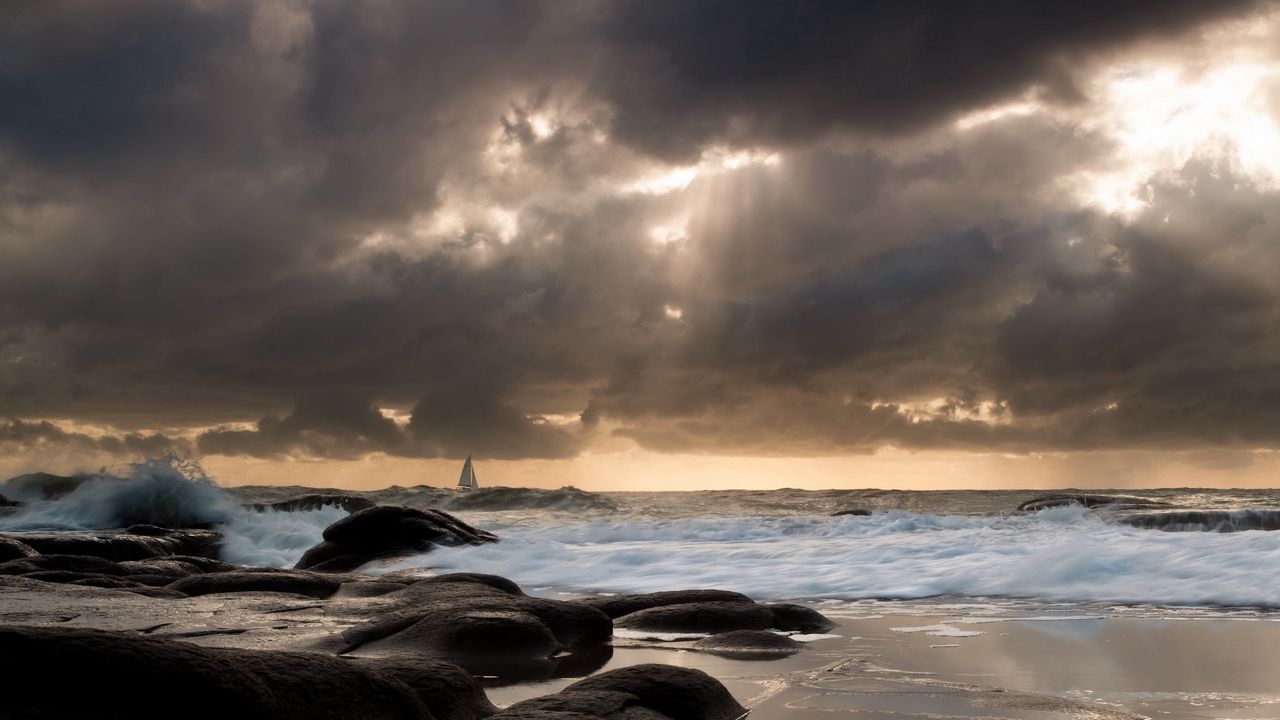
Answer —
799 618
316 501
294 582
80 578
749 645
471 622
851 511
387 531
73 563
639 692
618 605
448 691
1089 501
127 546
209 683
150 530
43 485
12 549
162 571
708 617
1206 520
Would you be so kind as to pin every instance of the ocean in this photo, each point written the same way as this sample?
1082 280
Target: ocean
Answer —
1191 547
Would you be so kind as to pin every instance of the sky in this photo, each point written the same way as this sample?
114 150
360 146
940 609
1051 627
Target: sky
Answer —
644 245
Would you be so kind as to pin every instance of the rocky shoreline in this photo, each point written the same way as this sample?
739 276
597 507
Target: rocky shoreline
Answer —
151 607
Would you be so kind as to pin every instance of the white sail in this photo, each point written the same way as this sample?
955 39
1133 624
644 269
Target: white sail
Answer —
468 478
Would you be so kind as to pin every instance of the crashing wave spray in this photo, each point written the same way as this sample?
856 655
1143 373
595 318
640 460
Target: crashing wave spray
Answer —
166 491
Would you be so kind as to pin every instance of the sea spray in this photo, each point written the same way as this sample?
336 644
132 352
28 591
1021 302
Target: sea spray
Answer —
161 491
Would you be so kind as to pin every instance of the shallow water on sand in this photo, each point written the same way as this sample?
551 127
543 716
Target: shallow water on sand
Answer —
903 661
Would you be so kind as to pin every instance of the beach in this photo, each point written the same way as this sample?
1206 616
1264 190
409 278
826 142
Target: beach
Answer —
954 604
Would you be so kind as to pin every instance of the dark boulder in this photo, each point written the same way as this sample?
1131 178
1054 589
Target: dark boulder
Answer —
749 645
638 692
708 617
46 486
478 626
618 605
209 683
73 563
293 582
448 691
387 531
799 618
851 511
12 549
316 501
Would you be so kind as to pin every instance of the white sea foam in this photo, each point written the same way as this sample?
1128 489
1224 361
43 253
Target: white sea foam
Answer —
274 539
940 630
1058 554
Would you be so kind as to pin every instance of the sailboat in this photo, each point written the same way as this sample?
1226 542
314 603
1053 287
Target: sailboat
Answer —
468 479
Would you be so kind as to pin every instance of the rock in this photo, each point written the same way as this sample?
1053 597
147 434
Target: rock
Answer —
315 501
616 606
448 691
851 511
749 645
638 692
799 618
12 549
1090 501
387 531
127 546
162 571
207 683
7 503
1206 520
708 617
74 563
295 582
468 621
46 486
107 581
145 529
80 578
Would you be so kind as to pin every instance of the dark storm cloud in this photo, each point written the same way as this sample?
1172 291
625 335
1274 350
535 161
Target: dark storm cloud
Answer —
688 74
19 437
224 212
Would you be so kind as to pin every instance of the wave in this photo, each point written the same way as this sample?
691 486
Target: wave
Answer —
1221 521
1060 554
162 491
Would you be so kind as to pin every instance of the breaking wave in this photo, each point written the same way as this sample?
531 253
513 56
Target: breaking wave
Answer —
162 491
1059 554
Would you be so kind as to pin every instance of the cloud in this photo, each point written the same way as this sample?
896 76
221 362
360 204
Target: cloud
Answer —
276 219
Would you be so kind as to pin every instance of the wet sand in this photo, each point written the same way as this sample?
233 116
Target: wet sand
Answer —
1106 663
